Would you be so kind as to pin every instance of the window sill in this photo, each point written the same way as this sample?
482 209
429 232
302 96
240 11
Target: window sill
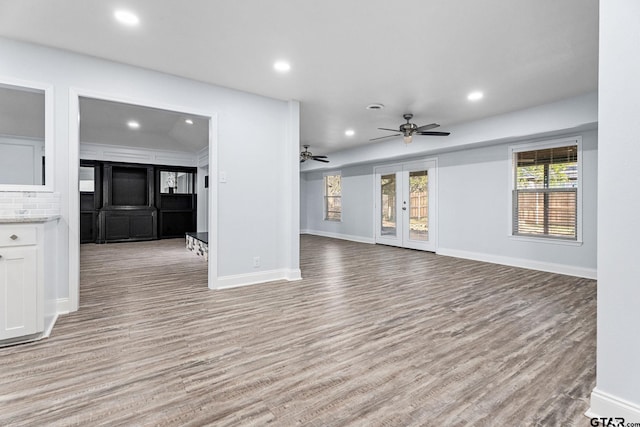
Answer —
549 240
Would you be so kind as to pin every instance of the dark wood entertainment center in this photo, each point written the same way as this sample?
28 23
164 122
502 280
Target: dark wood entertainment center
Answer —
133 202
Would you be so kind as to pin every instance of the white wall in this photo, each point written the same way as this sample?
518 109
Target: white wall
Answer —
303 201
203 193
474 208
203 200
247 205
617 393
473 194
357 205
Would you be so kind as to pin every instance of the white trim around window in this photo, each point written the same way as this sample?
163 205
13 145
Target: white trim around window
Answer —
541 145
335 213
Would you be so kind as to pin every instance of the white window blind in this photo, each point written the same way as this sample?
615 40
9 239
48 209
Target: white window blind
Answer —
545 191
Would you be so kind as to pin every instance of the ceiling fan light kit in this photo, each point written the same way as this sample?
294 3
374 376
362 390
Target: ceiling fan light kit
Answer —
407 130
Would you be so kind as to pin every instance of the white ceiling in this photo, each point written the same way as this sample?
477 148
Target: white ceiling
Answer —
105 122
418 56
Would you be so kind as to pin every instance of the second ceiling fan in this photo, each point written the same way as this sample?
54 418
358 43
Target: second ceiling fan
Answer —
407 130
308 155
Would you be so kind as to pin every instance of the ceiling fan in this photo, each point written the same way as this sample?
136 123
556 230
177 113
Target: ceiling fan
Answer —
307 155
407 130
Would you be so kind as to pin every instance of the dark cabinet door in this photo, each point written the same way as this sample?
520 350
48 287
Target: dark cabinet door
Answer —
127 225
88 227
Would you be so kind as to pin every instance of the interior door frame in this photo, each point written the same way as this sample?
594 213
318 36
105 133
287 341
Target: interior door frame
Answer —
429 164
75 93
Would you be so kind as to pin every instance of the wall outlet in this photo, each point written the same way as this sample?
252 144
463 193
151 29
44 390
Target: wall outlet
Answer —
256 261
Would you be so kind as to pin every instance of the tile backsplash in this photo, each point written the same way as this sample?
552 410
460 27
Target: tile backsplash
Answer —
28 204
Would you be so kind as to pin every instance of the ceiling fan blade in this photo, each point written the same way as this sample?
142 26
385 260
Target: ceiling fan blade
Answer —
302 160
320 160
427 127
318 157
434 133
383 137
390 130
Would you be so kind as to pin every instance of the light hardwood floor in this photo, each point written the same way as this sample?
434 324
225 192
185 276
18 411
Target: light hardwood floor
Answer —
371 336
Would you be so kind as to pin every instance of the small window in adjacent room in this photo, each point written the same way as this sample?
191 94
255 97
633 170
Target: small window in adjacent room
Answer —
332 197
546 190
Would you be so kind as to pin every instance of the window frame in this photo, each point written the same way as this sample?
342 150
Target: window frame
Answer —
541 145
325 196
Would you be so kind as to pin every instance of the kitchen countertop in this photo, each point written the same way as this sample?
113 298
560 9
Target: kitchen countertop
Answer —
27 219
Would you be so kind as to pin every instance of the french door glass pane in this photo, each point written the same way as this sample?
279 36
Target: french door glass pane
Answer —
418 206
388 205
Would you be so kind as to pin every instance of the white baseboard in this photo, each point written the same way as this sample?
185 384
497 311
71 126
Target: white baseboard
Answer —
237 280
62 306
359 239
50 326
295 274
570 270
609 406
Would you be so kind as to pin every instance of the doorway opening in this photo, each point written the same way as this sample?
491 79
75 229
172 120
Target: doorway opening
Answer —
124 146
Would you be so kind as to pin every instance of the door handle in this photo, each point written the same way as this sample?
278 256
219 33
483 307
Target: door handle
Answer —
404 208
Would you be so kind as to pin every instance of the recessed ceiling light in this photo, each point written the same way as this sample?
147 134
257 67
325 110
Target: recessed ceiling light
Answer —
126 17
188 121
349 132
133 124
475 96
282 66
375 106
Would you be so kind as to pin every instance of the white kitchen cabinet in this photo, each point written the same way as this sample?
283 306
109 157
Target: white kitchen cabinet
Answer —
19 290
26 280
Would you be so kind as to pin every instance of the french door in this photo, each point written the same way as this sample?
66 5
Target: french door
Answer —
405 205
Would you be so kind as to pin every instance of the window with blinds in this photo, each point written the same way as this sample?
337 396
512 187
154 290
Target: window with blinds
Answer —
332 197
545 195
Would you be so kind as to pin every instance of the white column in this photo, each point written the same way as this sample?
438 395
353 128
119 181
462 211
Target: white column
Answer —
292 188
617 392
